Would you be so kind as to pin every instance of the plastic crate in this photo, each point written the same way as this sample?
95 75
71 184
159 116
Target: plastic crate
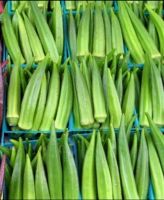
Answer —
33 142
71 126
11 12
150 195
5 128
130 66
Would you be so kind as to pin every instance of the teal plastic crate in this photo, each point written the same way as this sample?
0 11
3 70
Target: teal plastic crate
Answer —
74 152
130 66
150 195
33 142
71 126
6 131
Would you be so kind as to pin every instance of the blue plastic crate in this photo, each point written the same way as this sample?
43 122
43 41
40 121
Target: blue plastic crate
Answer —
132 64
72 128
5 128
11 12
33 142
150 195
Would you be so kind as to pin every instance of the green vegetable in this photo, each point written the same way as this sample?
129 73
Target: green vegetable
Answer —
34 40
155 170
159 24
54 169
76 113
44 32
13 156
83 34
41 104
65 101
127 179
112 137
102 172
128 105
145 98
28 182
157 139
111 97
108 31
26 48
57 27
52 99
98 34
145 39
134 151
70 177
72 35
89 171
117 39
100 113
16 183
157 91
142 168
41 186
114 171
30 98
129 34
85 107
10 38
14 98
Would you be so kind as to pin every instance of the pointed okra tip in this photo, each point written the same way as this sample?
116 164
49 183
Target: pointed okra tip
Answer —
39 158
28 161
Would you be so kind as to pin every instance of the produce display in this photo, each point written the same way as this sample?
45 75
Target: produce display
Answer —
83 112
40 96
95 93
103 87
31 36
109 166
100 29
103 93
107 95
30 170
94 33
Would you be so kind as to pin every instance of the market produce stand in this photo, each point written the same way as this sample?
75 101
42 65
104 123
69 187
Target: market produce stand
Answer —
82 104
